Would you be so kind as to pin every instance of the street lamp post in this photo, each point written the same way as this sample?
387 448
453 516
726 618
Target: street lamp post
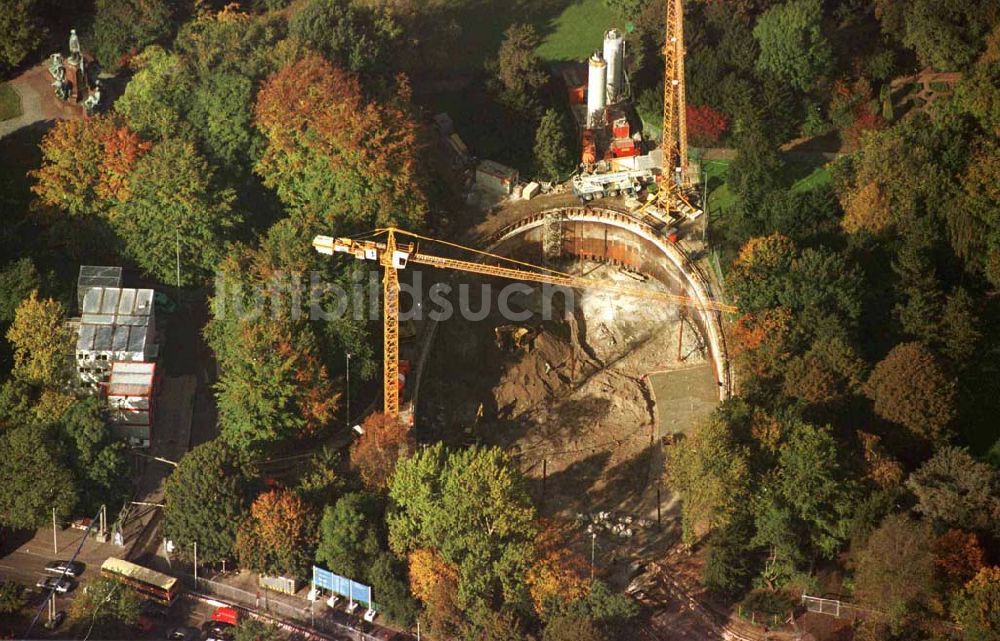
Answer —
347 413
593 547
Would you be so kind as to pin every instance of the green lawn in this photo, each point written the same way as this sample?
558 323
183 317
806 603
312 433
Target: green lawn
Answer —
10 102
578 31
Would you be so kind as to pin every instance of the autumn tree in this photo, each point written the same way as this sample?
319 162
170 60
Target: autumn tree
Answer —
558 571
895 570
374 454
435 582
42 344
86 164
957 557
337 159
206 498
910 388
954 489
174 205
710 471
572 627
471 506
706 125
124 27
34 480
758 276
553 158
279 536
978 608
975 229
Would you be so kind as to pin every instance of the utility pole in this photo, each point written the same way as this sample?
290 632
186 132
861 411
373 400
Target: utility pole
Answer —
347 413
196 565
55 542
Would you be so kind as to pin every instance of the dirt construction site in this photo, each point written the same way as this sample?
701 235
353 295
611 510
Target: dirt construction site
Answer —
584 392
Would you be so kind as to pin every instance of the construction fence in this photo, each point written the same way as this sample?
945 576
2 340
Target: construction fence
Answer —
266 602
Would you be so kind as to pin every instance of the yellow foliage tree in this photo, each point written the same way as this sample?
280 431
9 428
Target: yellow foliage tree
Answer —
42 343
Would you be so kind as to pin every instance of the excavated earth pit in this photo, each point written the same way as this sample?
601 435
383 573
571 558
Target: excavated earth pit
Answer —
582 400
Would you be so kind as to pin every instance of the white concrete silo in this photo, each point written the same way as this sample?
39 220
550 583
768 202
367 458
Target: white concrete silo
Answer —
597 79
614 55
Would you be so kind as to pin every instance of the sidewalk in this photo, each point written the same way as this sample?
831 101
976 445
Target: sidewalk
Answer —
38 101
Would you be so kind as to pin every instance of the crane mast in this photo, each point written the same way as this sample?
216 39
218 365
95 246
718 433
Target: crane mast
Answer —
393 256
675 144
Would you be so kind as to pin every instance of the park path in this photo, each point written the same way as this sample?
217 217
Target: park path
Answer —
38 101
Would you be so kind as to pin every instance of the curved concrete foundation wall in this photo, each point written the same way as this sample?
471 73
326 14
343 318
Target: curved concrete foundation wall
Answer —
610 236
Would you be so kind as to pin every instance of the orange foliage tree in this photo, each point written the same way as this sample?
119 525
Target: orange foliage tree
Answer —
336 156
558 571
86 164
958 556
375 453
280 535
435 582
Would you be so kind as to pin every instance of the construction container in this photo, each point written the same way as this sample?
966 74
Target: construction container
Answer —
530 190
589 147
282 584
623 148
496 178
621 129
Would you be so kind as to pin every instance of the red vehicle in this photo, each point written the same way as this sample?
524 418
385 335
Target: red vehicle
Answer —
226 615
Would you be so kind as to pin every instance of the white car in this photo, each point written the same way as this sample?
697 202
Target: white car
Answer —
60 585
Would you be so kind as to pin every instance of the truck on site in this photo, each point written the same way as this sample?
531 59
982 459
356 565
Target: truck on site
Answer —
587 187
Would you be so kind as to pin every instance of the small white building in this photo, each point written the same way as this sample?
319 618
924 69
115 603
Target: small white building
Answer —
130 390
116 325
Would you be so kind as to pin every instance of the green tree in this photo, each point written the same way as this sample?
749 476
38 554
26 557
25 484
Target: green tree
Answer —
729 561
954 489
553 158
173 201
759 275
349 534
42 343
710 471
17 280
12 597
158 97
33 479
571 628
350 35
473 507
792 45
518 69
98 459
387 576
220 113
113 607
945 34
124 27
895 570
22 32
231 42
816 486
256 630
338 160
206 497
910 388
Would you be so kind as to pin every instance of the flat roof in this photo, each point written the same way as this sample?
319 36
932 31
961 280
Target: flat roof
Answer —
115 319
131 379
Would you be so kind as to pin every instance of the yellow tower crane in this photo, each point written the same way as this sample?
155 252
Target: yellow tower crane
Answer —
394 256
675 144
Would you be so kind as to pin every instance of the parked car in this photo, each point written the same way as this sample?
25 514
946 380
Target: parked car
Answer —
72 568
217 631
183 633
60 585
55 621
